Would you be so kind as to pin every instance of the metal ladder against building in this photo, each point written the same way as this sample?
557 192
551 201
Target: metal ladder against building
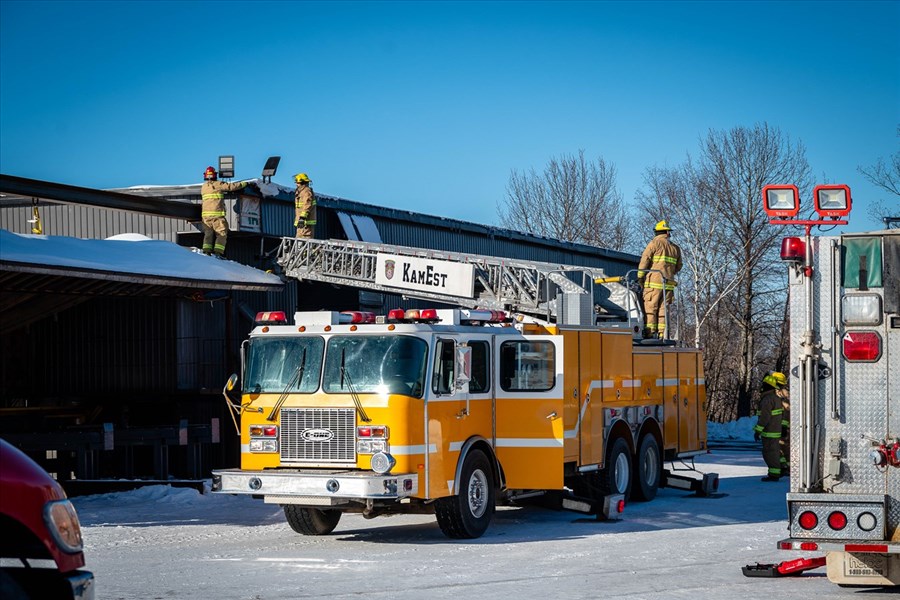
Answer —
534 288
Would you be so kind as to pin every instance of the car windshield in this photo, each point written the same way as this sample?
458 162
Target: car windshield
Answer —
274 364
392 364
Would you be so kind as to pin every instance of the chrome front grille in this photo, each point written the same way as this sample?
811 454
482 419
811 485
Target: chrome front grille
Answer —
304 438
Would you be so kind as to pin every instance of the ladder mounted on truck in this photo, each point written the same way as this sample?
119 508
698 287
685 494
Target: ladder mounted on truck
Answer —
564 294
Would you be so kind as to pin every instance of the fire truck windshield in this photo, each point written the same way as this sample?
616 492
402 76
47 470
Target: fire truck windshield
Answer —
383 364
273 364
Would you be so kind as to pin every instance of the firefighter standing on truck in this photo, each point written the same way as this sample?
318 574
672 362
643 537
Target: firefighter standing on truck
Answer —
664 257
304 206
768 425
215 226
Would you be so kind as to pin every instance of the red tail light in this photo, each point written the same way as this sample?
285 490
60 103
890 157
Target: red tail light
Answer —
620 506
861 346
793 249
808 520
837 520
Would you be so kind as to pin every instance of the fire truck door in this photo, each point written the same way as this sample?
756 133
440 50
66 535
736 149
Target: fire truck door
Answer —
529 428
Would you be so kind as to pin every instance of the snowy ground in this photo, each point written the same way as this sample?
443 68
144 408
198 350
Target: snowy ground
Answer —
160 542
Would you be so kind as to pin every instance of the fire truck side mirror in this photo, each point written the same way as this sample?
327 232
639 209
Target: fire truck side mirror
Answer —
232 381
463 366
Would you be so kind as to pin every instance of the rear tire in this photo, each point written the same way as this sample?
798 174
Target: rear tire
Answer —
647 469
311 521
468 514
616 477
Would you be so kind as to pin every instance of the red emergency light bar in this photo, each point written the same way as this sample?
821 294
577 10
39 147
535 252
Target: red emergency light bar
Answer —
276 317
357 316
413 315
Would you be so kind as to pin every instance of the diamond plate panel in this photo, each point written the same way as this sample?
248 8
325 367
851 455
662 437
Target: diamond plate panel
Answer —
861 404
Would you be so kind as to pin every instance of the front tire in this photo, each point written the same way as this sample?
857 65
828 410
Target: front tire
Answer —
311 521
468 514
648 469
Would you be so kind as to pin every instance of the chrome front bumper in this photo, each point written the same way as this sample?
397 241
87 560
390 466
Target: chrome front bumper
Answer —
317 488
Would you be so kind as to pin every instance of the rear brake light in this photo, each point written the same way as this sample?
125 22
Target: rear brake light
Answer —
837 520
793 249
808 520
861 346
809 546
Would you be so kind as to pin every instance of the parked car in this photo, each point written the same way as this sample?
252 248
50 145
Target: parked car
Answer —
41 551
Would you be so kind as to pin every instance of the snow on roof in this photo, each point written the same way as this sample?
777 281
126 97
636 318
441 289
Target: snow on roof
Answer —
130 256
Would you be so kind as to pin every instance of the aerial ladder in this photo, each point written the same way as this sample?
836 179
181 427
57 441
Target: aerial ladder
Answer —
553 293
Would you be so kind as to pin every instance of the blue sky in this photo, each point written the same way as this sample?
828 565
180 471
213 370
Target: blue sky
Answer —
428 106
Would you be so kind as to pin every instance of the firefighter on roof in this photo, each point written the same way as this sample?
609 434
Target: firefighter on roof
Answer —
215 226
664 257
304 206
768 424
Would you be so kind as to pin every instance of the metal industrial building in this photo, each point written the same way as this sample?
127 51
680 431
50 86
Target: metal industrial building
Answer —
125 381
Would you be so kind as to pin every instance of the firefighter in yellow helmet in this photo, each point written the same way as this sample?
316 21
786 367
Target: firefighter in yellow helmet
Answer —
304 206
664 258
768 425
215 226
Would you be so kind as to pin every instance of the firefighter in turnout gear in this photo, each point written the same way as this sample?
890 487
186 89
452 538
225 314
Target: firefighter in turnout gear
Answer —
664 257
304 206
769 423
215 226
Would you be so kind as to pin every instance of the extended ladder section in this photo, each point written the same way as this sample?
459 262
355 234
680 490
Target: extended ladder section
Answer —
564 294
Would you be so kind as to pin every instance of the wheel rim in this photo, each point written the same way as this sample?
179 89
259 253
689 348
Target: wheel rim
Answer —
477 493
650 466
621 475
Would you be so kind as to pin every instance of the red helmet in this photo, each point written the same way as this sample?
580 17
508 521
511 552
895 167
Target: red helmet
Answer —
209 174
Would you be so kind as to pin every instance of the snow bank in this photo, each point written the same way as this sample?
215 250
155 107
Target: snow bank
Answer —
742 430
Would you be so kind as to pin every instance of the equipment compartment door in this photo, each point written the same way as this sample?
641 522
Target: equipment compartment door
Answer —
688 405
529 427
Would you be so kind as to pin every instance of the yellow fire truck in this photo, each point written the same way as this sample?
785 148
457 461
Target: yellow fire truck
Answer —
454 411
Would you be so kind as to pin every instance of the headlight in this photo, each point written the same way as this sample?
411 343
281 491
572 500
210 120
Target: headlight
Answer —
62 521
383 463
263 445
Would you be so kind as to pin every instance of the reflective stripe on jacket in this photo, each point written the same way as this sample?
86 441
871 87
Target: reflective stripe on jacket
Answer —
213 194
663 256
768 422
305 205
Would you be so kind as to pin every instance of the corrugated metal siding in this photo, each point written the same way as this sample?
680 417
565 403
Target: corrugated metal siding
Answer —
107 345
91 222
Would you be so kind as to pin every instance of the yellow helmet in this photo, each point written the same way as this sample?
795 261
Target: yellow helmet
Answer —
301 178
776 379
662 227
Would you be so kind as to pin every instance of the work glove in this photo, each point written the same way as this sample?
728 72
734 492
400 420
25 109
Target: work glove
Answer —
756 436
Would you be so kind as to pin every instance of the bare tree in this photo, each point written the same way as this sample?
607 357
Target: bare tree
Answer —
733 287
572 199
887 177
